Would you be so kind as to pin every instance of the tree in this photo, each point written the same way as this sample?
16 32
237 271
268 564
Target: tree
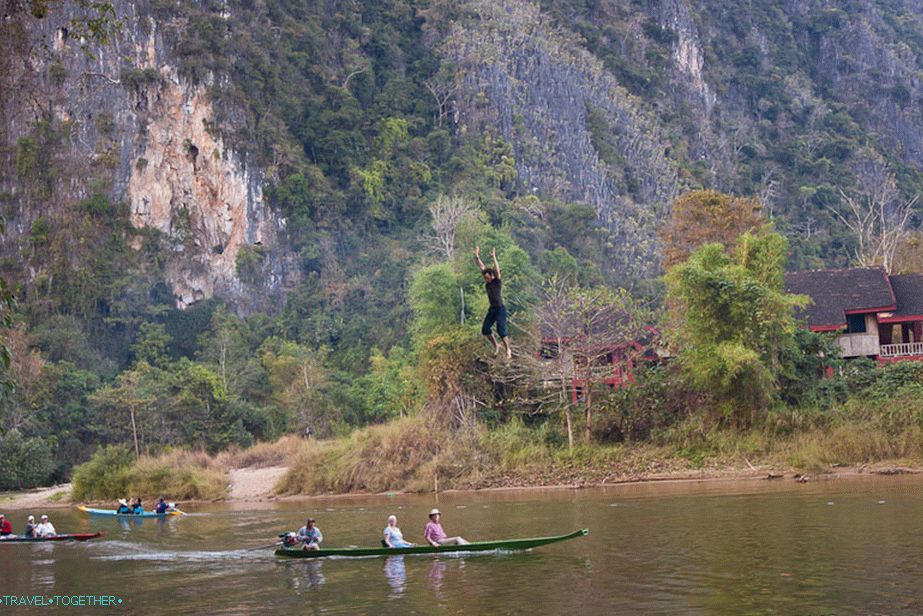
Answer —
733 321
434 300
576 331
24 462
447 214
876 213
704 216
130 395
297 377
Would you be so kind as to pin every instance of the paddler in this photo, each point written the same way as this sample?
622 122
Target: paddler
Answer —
434 534
310 535
162 506
6 529
123 507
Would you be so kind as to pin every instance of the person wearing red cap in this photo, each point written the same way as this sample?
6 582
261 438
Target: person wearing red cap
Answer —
6 528
434 534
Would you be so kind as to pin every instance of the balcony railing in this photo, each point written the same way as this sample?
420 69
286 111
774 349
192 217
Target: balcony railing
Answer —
901 349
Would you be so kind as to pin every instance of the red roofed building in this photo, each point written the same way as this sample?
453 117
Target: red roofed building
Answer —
877 315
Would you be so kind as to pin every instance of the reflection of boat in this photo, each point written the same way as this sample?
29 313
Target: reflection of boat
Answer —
111 513
72 537
480 546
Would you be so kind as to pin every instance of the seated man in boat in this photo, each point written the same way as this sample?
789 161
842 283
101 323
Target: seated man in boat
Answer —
162 506
30 527
123 507
45 528
310 536
136 507
6 529
434 534
394 538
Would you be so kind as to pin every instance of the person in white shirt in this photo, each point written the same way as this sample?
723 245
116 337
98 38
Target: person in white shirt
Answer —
45 528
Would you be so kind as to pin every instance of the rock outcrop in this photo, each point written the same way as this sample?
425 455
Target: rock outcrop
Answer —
134 121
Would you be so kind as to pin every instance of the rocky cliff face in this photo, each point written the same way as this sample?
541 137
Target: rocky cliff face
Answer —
577 135
136 128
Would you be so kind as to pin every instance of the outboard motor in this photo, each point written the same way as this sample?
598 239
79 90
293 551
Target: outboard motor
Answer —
288 539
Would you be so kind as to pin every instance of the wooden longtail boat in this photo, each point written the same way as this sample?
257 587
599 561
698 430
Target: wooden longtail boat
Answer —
71 537
480 546
111 513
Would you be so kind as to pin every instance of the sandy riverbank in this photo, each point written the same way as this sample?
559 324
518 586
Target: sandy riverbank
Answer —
248 485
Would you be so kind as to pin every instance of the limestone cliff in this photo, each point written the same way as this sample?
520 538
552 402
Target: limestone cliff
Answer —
133 125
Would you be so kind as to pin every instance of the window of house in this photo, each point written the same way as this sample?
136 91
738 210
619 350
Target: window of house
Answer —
855 323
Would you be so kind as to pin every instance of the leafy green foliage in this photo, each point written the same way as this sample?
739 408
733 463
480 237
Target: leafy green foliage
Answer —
24 462
735 320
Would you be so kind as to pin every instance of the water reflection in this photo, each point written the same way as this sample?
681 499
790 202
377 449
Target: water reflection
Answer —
307 575
127 523
396 575
436 574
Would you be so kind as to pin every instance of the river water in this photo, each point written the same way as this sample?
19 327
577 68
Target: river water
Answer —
835 546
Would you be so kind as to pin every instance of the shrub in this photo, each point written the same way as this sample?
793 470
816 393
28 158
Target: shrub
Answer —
24 462
111 473
105 475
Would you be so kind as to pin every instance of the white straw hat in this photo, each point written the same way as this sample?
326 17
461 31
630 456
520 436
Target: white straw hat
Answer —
435 512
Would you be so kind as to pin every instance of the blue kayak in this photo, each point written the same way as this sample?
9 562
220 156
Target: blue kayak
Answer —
112 513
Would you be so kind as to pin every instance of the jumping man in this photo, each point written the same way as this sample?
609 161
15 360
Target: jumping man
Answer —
497 311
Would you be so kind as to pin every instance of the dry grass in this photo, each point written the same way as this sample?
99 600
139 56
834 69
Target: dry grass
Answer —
179 475
406 454
282 452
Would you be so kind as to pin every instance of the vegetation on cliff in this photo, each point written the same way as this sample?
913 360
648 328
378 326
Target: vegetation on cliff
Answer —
395 136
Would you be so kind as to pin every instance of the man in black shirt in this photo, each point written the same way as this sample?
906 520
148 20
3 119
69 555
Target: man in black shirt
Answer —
497 311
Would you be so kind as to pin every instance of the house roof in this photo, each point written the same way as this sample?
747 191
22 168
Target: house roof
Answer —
908 290
838 292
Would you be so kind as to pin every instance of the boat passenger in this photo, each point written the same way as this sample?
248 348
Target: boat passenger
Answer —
434 534
30 527
394 538
6 529
136 507
310 536
45 528
162 506
123 507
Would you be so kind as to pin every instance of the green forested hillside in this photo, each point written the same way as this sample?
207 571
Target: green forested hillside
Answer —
390 138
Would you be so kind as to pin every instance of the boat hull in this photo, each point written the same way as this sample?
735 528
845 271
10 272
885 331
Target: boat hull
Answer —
70 537
481 546
128 516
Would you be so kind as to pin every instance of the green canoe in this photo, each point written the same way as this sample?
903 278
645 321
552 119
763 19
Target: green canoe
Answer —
481 546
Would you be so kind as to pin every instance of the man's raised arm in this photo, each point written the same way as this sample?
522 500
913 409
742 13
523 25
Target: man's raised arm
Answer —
477 255
493 253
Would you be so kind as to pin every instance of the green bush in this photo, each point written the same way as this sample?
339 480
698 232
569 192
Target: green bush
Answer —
106 475
24 462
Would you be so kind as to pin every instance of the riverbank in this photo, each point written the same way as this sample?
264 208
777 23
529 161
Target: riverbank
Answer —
251 485
409 455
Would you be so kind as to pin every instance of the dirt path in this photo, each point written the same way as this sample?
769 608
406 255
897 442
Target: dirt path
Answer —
54 496
250 484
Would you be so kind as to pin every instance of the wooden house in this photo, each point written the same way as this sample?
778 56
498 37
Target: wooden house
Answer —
876 315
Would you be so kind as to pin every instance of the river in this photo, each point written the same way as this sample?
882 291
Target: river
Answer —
834 546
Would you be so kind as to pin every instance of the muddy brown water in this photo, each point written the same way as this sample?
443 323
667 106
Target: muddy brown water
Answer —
838 546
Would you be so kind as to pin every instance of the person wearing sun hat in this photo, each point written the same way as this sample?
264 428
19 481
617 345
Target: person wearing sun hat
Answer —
30 527
434 534
45 528
123 506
